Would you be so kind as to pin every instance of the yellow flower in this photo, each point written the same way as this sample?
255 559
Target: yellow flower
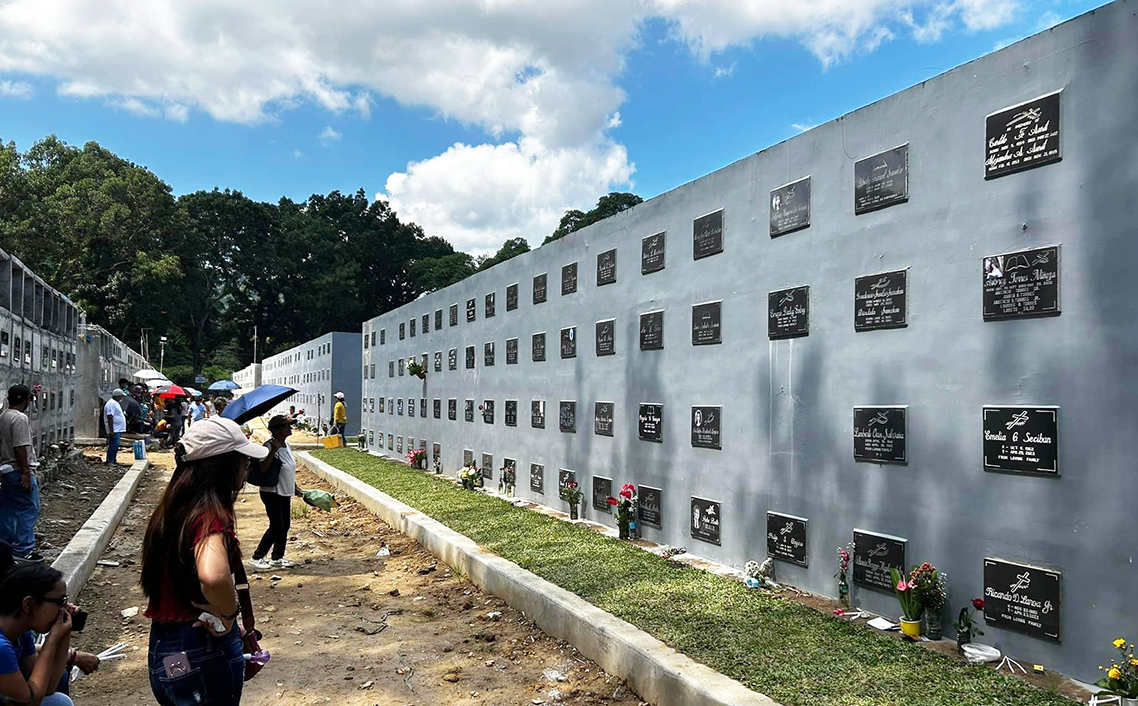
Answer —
1134 662
1114 673
1119 642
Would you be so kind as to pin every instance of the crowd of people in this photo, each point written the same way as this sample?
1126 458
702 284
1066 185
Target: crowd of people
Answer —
162 415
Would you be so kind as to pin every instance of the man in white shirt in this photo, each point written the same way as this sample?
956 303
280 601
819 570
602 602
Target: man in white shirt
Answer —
19 491
116 425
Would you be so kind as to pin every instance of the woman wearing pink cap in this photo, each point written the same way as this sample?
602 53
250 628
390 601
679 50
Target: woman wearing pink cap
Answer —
187 558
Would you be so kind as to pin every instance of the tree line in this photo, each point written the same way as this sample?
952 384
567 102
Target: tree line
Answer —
206 269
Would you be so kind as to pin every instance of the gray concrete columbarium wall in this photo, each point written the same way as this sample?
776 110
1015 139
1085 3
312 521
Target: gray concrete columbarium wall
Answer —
787 427
318 369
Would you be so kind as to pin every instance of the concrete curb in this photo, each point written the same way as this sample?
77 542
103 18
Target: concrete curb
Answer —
655 671
77 562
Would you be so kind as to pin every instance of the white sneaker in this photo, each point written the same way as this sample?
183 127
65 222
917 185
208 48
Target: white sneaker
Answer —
282 564
260 564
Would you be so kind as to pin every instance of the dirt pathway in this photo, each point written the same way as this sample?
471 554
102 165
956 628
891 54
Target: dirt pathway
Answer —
348 627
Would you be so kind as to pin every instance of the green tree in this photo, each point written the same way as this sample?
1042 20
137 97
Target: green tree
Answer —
607 205
511 248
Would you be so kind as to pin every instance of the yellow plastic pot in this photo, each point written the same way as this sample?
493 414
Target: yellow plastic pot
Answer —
911 628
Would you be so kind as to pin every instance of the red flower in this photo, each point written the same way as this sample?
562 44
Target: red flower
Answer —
978 603
611 501
626 494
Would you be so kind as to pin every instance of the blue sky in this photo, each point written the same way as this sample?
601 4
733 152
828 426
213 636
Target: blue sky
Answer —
550 109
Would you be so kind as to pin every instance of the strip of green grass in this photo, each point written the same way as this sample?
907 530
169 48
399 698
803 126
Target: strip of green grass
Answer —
775 646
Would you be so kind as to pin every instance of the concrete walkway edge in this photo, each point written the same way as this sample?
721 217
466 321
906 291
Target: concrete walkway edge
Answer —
77 562
657 672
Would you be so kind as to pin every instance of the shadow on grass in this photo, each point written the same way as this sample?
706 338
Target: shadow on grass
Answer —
785 650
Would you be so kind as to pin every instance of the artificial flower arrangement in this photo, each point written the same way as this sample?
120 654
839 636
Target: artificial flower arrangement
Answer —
469 476
417 458
910 604
843 572
625 510
931 586
416 368
1121 678
438 465
507 478
967 625
572 495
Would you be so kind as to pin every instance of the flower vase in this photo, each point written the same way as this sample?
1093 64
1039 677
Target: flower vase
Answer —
509 491
911 628
963 637
933 629
622 528
573 512
1129 702
422 376
844 594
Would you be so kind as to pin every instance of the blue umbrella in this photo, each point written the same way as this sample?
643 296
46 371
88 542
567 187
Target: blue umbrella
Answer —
225 385
256 402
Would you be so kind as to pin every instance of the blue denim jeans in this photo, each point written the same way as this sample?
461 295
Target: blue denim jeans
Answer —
217 667
19 511
113 439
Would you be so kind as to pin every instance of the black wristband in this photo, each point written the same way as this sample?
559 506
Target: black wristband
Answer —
234 616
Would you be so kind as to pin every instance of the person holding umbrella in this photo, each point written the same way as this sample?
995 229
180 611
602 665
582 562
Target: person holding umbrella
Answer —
277 498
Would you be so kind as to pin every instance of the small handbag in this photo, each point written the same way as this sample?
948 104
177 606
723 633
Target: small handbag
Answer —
265 479
250 641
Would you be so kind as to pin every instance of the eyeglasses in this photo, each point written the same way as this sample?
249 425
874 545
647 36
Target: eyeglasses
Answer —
58 601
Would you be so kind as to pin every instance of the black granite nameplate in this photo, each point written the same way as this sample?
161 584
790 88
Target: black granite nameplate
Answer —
539 288
470 357
1022 439
426 323
391 368
705 517
488 353
468 411
382 336
706 427
652 330
412 328
706 323
790 207
454 314
390 442
402 331
423 407
382 408
489 306
879 434
650 425
511 351
1024 283
786 538
438 408
881 180
471 309
487 468
874 556
399 404
788 313
399 444
410 407
569 342
391 405
488 411
606 267
511 413
707 235
452 409
1022 136
437 452
537 347
512 296
603 418
537 478
452 359
568 279
880 301
649 506
567 417
537 414
606 337
564 478
467 457
1022 597
438 361
602 491
438 319
652 253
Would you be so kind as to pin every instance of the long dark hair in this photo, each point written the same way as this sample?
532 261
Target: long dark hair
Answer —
17 582
199 493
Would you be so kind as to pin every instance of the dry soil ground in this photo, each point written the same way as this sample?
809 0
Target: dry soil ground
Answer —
345 626
69 499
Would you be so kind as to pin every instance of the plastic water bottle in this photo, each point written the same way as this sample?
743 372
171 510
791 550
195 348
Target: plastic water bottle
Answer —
139 450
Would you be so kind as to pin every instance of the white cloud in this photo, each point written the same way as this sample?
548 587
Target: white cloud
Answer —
724 71
297 154
803 127
16 89
327 136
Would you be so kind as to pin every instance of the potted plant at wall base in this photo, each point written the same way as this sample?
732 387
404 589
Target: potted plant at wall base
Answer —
438 466
1121 678
843 570
625 515
507 478
910 604
573 495
966 625
469 476
932 590
416 368
417 458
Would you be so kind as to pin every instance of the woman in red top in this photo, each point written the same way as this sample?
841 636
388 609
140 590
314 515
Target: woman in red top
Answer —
187 553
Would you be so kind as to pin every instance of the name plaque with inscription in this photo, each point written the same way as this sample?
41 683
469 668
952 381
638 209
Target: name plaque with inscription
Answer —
438 319
454 314
652 253
512 297
488 411
537 478
402 331
788 313
410 407
1022 136
452 359
874 555
487 468
399 444
438 408
471 310
412 327
786 538
438 361
650 425
511 413
452 409
1024 283
569 342
537 414
606 267
790 207
511 351
488 353
706 323
423 407
426 323
881 180
437 452
706 427
539 288
399 404
468 410
1022 439
1022 597
467 457
537 347
489 305
652 330
564 478
567 417
707 235
880 301
606 337
602 491
390 442
568 278
602 418
879 434
391 368
470 357
705 516
649 506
